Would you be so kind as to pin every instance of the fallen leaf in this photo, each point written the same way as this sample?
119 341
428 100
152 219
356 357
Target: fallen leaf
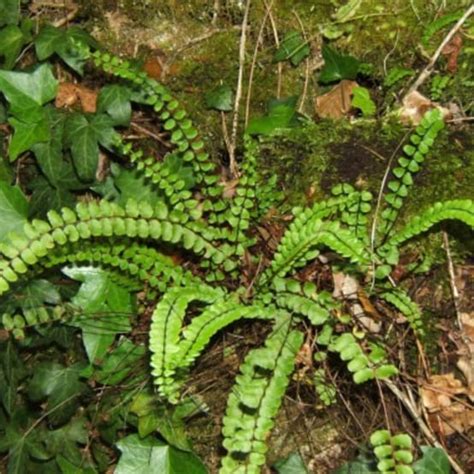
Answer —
414 107
70 94
337 102
447 413
451 51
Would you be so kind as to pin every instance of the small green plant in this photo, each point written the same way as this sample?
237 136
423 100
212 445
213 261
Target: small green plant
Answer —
393 454
186 211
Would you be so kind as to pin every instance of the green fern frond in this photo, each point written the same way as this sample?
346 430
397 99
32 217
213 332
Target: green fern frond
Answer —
354 209
199 332
300 245
166 326
363 366
146 265
106 219
414 154
256 399
458 209
406 306
302 299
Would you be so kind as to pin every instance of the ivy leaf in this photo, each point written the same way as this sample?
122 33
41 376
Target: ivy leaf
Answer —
82 140
337 66
292 47
220 98
11 41
118 363
361 100
26 135
52 40
292 464
115 100
107 308
28 91
150 456
82 134
281 114
46 197
9 12
67 440
132 185
13 209
361 465
60 386
434 461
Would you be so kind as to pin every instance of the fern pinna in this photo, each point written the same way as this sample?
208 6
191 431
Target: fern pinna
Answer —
192 214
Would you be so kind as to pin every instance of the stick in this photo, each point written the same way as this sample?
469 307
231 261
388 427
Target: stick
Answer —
411 408
429 68
238 94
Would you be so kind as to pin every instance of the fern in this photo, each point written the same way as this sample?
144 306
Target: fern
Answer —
406 306
393 452
420 143
256 399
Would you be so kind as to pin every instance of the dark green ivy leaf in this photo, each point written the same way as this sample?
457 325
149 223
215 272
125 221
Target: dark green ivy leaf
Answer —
434 461
46 197
52 40
115 100
292 464
26 135
150 456
13 209
219 98
12 40
28 91
337 66
281 114
9 12
293 47
60 386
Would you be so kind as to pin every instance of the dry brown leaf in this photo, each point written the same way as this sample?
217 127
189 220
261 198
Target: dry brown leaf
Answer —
415 105
451 51
447 414
337 102
70 94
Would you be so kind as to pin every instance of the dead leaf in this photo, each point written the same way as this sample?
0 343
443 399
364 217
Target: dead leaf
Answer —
415 105
70 94
447 413
348 288
451 51
337 102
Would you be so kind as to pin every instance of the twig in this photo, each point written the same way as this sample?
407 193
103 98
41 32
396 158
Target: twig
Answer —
307 71
203 37
149 133
254 62
69 17
411 408
277 44
429 68
238 93
452 284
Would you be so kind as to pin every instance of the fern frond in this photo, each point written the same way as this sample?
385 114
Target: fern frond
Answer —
302 299
183 135
144 264
458 209
106 219
199 332
300 243
364 367
166 325
354 209
409 164
406 306
256 399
